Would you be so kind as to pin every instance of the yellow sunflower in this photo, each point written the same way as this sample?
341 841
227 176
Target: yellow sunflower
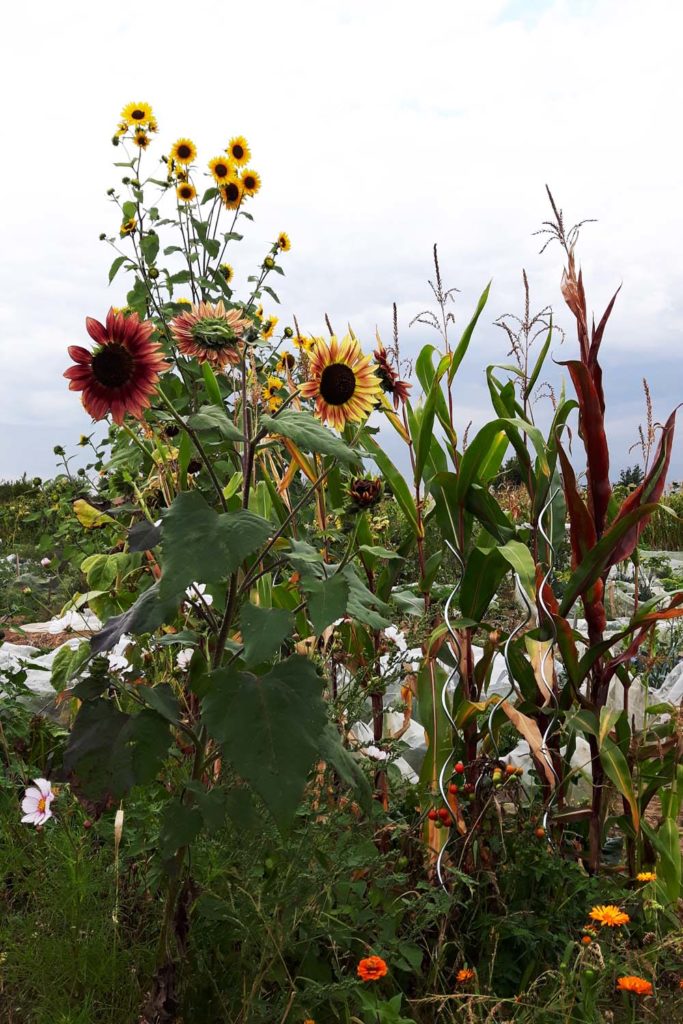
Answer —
184 151
268 327
283 242
285 363
305 344
121 129
128 227
186 192
232 193
342 381
137 114
141 138
251 182
646 876
271 393
238 150
226 272
221 169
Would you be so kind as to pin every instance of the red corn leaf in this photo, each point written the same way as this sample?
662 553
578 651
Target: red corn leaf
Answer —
649 492
581 526
592 431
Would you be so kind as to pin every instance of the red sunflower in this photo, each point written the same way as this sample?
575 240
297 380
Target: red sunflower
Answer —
122 373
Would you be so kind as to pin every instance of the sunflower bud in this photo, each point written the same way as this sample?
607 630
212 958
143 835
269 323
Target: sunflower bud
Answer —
269 263
135 183
365 491
103 237
58 450
289 333
115 140
110 191
153 273
126 181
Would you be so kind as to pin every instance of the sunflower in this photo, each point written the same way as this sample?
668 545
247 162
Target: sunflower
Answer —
609 915
121 129
371 968
251 182
227 273
285 363
141 138
305 344
184 151
342 381
632 983
238 150
221 169
186 192
153 124
388 376
271 393
232 193
210 333
121 374
268 327
128 227
365 491
646 876
283 242
137 114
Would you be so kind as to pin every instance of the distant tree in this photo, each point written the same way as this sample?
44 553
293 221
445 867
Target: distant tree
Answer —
510 473
631 476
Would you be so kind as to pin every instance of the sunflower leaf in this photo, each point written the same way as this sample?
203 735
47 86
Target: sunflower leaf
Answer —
306 432
270 291
116 266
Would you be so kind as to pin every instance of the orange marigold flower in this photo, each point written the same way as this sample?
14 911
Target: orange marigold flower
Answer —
464 974
631 983
646 876
586 939
609 915
371 968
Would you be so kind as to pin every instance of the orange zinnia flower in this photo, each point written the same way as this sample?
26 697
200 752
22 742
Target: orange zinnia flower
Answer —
372 968
631 983
609 915
464 974
121 375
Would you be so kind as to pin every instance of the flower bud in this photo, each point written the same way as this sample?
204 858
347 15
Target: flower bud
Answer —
103 237
153 273
269 263
126 181
135 183
289 333
115 140
58 450
110 191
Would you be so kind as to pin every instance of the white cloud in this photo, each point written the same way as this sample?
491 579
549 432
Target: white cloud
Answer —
378 129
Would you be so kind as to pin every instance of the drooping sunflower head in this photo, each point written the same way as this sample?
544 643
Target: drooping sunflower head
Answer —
137 114
210 333
186 192
221 169
251 182
227 273
232 193
342 381
121 374
121 129
285 363
183 151
268 327
238 150
283 242
388 376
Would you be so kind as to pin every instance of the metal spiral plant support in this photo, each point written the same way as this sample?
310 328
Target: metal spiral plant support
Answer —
455 674
549 651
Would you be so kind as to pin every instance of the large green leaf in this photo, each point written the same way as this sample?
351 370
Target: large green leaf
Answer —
483 573
617 770
108 751
346 766
203 545
180 825
270 728
210 417
308 434
146 615
463 344
263 630
667 842
363 604
327 600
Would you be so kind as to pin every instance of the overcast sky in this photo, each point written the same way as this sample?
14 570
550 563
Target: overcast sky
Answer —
379 128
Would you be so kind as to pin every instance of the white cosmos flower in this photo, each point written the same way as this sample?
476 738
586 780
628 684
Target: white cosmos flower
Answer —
45 562
117 661
201 588
36 802
184 657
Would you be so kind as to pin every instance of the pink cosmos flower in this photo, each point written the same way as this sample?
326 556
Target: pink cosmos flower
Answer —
36 802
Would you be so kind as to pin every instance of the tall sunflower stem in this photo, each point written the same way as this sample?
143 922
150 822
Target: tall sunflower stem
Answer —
200 449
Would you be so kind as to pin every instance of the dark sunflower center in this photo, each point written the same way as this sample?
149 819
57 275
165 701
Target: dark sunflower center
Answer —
138 115
238 152
232 192
112 366
184 152
212 333
249 182
186 192
337 383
